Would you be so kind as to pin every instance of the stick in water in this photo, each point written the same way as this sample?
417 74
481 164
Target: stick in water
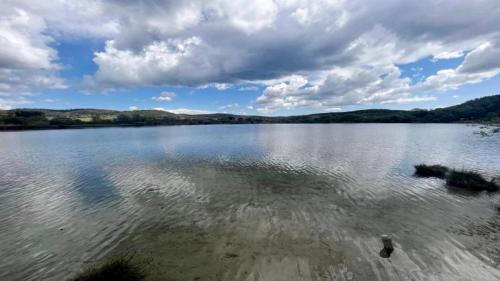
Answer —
388 248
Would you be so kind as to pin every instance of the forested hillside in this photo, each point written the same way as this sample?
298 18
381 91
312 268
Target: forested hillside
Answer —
486 109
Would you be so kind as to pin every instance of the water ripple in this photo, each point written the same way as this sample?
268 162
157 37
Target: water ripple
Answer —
287 202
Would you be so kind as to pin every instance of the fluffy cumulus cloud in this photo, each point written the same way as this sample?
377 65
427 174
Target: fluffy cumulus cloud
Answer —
325 53
27 63
480 64
23 44
156 64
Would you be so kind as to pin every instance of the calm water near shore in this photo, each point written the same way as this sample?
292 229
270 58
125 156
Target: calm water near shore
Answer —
248 202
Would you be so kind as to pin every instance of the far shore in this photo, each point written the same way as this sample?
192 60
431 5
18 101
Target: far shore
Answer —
103 126
484 110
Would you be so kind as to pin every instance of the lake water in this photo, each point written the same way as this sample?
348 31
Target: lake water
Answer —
248 202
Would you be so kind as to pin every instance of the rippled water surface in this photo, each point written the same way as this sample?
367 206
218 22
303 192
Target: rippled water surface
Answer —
248 202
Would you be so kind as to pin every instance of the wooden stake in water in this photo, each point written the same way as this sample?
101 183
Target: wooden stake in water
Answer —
388 248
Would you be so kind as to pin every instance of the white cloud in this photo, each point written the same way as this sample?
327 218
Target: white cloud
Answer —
449 55
27 62
184 110
221 86
380 84
50 100
251 18
338 87
165 96
76 18
8 103
231 106
333 109
320 54
150 66
484 58
23 44
409 99
133 108
248 89
480 64
316 41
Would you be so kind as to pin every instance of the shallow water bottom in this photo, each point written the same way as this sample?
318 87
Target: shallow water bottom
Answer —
252 202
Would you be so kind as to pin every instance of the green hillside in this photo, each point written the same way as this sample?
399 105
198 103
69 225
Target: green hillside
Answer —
486 109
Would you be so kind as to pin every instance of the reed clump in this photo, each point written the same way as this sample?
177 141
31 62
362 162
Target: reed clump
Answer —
120 269
457 178
436 171
470 180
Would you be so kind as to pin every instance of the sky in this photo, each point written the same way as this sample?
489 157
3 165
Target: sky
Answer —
264 57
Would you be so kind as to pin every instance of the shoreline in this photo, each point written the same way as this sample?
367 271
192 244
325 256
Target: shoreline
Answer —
484 111
98 126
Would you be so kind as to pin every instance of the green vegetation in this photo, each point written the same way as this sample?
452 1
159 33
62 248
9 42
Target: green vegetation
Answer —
115 270
483 110
462 179
436 171
486 109
489 129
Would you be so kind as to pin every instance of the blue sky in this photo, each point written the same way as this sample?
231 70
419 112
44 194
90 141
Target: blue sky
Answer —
272 57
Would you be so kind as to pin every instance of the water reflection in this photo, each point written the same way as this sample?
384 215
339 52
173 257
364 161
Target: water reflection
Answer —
271 202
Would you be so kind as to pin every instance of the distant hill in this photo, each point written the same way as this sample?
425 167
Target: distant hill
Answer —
486 109
481 109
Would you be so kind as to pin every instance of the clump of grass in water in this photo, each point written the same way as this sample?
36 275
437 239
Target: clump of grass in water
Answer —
462 179
489 129
437 171
470 180
120 269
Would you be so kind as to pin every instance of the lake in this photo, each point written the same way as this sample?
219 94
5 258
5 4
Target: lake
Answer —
248 202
